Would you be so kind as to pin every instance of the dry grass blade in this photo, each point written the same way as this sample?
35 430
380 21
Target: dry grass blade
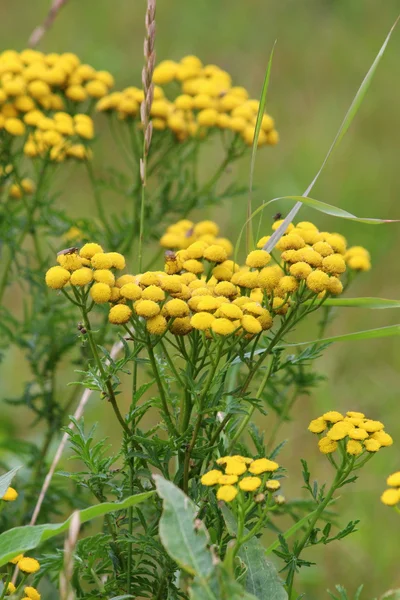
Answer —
355 105
39 32
66 589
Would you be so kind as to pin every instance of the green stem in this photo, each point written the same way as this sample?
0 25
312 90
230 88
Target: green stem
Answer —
98 200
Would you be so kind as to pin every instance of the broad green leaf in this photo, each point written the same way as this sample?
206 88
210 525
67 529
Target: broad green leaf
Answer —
367 334
21 539
184 540
262 579
376 303
351 113
261 109
6 479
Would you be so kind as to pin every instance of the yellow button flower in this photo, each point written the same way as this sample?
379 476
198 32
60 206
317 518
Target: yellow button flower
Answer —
227 493
119 314
146 308
263 465
249 484
28 565
327 446
130 291
257 259
10 495
332 416
57 277
272 485
394 479
317 425
211 478
235 467
100 293
32 593
228 479
391 497
157 325
354 448
372 445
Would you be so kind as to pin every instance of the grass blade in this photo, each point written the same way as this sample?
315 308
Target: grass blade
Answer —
351 113
372 303
367 334
261 109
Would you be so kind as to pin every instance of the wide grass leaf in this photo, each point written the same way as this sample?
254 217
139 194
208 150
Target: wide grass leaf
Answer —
367 334
185 540
6 479
374 303
21 539
262 579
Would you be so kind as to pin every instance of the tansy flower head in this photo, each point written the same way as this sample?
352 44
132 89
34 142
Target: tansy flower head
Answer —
57 277
394 479
327 446
28 565
100 293
272 485
391 497
32 593
263 465
257 259
119 314
317 425
10 495
227 493
211 478
250 484
147 308
16 559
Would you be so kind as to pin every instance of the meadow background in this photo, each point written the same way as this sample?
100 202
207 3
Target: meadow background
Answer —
324 48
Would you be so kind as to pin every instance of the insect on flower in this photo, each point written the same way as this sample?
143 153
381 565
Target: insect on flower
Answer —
72 250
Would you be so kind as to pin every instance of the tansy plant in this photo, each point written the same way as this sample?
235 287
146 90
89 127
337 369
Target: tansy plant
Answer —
190 492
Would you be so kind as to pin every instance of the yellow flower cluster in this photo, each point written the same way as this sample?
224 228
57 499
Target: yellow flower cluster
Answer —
10 495
205 100
201 288
236 469
357 433
61 136
391 496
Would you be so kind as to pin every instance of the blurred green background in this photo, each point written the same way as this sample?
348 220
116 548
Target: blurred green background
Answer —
324 48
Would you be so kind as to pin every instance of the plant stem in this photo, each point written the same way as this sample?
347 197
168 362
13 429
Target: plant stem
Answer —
171 427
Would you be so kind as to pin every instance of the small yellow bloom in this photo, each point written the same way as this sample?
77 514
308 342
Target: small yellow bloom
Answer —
101 260
118 260
157 325
334 264
104 276
317 281
249 484
32 593
339 430
215 253
257 259
193 266
391 497
354 448
359 263
153 292
327 445
10 495
202 321
272 485
227 479
372 445
332 416
11 588
211 478
130 291
28 565
356 415
181 326
146 308
263 465
251 324
16 559
394 479
119 314
317 425
227 493
357 434
223 326
57 277
235 467
14 127
100 293
372 426
71 262
176 308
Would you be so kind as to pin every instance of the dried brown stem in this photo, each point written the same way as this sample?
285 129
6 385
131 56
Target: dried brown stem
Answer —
66 589
39 32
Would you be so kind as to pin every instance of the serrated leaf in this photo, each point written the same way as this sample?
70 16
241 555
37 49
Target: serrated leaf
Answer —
6 479
185 541
21 539
262 578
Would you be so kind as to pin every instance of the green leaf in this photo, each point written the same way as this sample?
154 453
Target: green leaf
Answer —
367 334
257 129
262 579
6 479
222 587
184 540
351 113
21 539
376 303
391 595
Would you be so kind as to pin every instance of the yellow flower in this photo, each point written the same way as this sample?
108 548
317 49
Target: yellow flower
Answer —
157 325
354 448
359 263
207 117
223 326
227 479
372 426
202 321
250 324
235 467
84 129
28 565
263 465
16 559
269 277
104 276
356 415
130 291
119 314
327 445
215 253
193 266
181 326
335 286
249 484
100 293
334 264
57 277
317 425
76 93
339 430
96 89
71 262
290 242
10 495
32 593
265 320
394 479
257 259
357 434
317 281
227 493
176 308
153 292
11 587
102 260
391 497
118 260
332 416
211 478
14 127
146 308
272 485
372 445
